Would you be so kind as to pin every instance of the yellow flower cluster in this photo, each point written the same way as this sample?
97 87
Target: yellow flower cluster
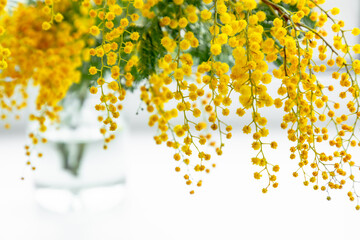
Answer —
2 5
4 52
117 46
48 60
189 101
50 14
201 98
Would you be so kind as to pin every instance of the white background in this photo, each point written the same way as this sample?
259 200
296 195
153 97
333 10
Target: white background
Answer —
157 205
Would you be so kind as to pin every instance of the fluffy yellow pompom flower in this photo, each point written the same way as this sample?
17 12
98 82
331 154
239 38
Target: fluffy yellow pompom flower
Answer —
250 4
92 70
261 16
134 36
183 22
184 44
138 4
3 64
335 11
59 17
46 26
335 27
92 13
94 30
178 74
134 17
355 31
113 85
124 22
193 18
205 14
179 130
356 48
215 49
93 90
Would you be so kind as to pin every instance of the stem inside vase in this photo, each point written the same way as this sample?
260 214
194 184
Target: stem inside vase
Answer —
72 153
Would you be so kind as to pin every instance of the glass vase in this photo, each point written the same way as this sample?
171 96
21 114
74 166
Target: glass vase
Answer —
75 172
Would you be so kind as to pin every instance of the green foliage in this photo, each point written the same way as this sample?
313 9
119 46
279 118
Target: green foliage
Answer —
202 52
150 49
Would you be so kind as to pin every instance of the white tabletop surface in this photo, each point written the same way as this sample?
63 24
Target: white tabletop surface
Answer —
157 205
